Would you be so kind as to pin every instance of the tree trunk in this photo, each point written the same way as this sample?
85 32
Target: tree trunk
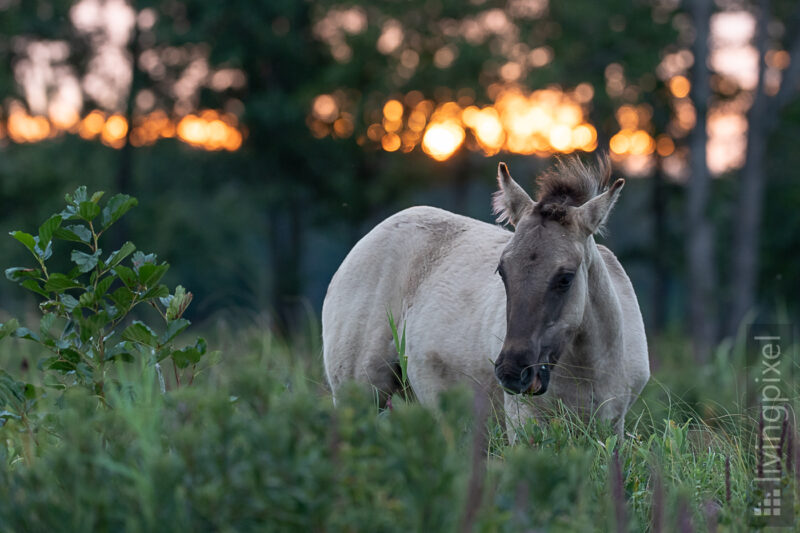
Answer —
124 177
700 230
762 120
658 251
747 216
125 169
285 242
461 182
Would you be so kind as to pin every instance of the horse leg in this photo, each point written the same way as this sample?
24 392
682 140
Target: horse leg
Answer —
370 359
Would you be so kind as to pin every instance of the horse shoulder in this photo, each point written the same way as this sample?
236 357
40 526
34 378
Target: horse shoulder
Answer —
635 356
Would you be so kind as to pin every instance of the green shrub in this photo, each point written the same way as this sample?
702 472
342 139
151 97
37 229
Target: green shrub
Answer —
214 459
249 448
85 310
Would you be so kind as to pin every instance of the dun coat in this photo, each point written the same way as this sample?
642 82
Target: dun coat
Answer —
529 316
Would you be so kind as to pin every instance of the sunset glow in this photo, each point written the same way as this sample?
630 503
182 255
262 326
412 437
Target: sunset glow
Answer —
540 122
442 139
24 128
552 120
208 129
634 138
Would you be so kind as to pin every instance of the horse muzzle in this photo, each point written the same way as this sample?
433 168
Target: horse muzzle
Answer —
540 381
531 379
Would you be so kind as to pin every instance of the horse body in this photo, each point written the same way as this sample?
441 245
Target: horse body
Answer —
436 273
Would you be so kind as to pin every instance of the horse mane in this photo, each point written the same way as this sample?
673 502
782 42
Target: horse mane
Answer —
571 182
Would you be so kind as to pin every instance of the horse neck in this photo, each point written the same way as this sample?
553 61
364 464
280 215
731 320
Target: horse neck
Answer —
600 332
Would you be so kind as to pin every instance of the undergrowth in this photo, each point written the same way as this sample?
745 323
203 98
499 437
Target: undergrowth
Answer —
255 444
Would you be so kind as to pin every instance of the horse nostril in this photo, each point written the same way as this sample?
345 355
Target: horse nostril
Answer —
526 375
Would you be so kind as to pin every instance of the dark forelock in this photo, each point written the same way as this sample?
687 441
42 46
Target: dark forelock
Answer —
571 182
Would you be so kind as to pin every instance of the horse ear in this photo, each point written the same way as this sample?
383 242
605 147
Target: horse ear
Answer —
511 201
593 214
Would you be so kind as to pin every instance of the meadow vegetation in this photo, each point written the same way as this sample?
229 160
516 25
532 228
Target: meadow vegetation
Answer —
255 443
252 441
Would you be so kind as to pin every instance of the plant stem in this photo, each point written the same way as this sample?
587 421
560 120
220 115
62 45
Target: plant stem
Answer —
94 236
177 378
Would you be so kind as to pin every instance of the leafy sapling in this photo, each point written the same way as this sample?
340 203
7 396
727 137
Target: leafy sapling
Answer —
85 311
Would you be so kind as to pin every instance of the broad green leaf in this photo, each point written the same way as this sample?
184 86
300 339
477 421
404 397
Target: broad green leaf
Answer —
150 274
71 355
122 297
5 415
88 210
69 213
103 285
140 258
139 332
112 311
178 303
45 252
96 196
30 391
59 282
175 302
34 286
25 333
87 299
127 276
62 344
69 302
11 390
49 341
163 353
62 366
84 372
8 328
18 274
91 325
44 362
46 323
51 382
75 233
156 292
26 239
124 350
114 259
190 355
46 230
116 207
174 329
85 262
76 197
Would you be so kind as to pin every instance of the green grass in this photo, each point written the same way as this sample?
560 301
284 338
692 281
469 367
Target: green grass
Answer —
254 444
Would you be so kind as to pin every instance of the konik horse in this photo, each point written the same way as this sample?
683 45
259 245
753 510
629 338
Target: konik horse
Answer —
539 314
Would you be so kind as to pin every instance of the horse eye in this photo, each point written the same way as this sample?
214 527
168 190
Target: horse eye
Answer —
564 281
